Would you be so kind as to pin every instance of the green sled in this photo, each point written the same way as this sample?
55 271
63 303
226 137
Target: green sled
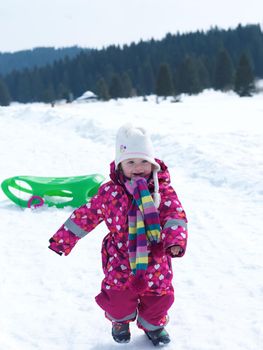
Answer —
34 191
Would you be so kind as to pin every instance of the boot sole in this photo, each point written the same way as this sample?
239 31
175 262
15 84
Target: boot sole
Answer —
159 341
124 340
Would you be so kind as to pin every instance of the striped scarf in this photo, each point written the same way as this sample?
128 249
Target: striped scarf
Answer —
144 224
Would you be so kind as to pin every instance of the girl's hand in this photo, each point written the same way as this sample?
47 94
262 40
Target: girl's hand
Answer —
175 250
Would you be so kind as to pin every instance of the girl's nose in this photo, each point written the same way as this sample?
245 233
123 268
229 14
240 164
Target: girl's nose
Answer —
138 167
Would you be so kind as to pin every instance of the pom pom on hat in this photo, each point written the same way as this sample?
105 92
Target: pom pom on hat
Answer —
135 142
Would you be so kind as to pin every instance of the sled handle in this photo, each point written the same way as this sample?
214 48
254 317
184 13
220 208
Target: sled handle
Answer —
11 182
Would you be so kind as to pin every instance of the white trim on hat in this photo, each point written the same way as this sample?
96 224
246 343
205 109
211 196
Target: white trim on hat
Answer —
156 194
137 155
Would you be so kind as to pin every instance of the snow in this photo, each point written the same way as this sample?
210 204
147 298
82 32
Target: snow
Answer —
87 96
213 146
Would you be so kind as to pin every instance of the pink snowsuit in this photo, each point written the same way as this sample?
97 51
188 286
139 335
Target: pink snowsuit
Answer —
111 205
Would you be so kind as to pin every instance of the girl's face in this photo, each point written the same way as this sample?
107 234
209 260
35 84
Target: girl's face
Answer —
136 167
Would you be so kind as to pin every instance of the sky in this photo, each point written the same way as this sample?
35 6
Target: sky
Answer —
99 23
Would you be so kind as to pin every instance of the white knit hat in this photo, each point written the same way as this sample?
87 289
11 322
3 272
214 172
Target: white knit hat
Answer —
135 142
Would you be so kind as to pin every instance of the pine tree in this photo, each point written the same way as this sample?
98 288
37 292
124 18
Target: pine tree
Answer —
116 89
244 81
203 75
37 84
126 85
63 92
187 77
164 82
102 90
224 71
146 78
48 94
24 90
4 94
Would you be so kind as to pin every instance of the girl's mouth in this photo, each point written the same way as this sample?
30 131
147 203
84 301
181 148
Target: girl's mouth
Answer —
140 175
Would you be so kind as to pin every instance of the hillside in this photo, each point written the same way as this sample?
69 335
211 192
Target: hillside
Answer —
36 57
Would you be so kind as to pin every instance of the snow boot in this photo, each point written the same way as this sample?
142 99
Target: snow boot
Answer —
121 332
158 337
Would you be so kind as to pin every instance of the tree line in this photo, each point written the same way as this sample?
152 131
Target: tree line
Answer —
38 56
180 63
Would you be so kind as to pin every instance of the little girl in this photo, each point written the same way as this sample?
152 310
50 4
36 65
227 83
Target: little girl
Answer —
147 227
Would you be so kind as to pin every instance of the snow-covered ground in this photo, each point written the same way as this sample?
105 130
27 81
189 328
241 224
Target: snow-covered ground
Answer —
213 145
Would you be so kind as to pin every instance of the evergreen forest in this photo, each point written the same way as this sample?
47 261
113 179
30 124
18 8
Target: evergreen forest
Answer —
179 63
39 56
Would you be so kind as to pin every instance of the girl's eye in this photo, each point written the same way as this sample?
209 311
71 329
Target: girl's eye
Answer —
145 161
